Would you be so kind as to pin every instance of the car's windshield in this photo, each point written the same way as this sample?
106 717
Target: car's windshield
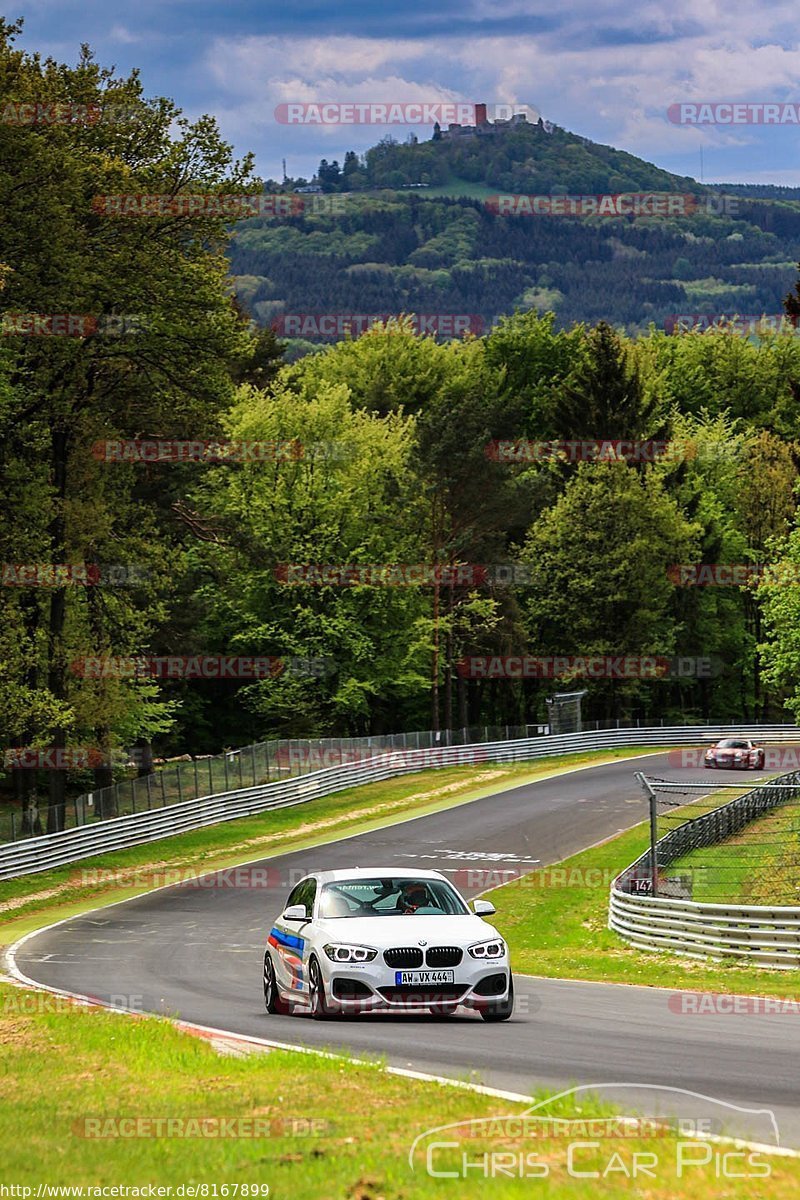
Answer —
389 896
730 744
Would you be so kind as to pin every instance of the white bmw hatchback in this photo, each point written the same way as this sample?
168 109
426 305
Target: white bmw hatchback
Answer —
382 939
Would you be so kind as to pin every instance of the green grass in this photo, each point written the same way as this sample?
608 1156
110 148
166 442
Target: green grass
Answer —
60 1065
455 188
712 286
33 900
555 921
759 865
78 1083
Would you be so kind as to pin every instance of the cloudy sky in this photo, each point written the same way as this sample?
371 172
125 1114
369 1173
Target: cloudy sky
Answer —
602 68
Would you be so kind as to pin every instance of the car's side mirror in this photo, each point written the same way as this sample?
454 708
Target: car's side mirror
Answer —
295 912
483 908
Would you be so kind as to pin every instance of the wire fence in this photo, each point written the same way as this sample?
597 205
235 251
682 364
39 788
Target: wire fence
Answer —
726 845
263 762
271 761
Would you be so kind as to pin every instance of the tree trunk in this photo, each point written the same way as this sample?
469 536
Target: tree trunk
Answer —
56 675
435 663
448 665
461 694
143 753
25 781
106 801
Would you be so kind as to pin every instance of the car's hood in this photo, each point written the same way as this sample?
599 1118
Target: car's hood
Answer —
383 932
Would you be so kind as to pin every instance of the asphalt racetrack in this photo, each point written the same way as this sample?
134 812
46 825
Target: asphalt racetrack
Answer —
196 952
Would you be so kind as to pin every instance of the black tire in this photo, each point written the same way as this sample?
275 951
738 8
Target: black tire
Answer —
321 1007
273 1001
501 1010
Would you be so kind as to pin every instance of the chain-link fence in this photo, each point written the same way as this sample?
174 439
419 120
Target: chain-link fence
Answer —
722 845
264 762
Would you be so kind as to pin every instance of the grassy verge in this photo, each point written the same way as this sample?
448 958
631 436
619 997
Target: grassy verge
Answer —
758 865
555 921
33 900
93 1098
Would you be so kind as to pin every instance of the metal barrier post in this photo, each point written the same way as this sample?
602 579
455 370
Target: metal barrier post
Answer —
653 831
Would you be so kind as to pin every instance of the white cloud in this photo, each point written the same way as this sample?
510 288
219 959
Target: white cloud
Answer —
613 92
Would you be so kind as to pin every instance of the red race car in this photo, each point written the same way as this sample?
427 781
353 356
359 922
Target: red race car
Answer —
736 752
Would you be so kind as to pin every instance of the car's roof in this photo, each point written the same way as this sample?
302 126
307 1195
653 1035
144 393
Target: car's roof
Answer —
373 872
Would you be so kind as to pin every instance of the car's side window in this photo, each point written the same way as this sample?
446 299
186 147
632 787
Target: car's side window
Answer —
296 895
309 889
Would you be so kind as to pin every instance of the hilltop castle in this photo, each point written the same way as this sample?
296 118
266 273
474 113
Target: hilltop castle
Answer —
483 127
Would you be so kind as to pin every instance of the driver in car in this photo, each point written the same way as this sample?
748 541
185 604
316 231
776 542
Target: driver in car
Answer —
413 896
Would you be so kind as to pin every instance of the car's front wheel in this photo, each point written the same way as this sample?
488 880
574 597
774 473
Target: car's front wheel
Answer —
321 1007
273 1001
500 1010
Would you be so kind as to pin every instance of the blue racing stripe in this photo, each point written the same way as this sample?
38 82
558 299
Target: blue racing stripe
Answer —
287 939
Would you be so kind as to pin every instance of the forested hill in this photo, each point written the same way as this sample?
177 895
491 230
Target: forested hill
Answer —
526 158
377 242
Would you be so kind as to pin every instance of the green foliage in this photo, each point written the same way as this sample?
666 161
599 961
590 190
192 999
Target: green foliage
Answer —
398 428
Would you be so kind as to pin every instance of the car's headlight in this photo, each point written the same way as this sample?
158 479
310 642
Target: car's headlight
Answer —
494 949
342 953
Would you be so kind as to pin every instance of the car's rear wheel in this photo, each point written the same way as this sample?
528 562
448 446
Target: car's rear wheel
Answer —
500 1010
273 1001
320 1005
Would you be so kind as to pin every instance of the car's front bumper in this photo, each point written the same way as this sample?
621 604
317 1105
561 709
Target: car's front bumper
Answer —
731 764
374 986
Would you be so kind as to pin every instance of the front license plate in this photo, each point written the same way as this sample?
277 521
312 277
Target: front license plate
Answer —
410 978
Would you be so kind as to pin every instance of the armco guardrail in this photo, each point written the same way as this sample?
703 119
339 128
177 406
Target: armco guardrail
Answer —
766 935
86 841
